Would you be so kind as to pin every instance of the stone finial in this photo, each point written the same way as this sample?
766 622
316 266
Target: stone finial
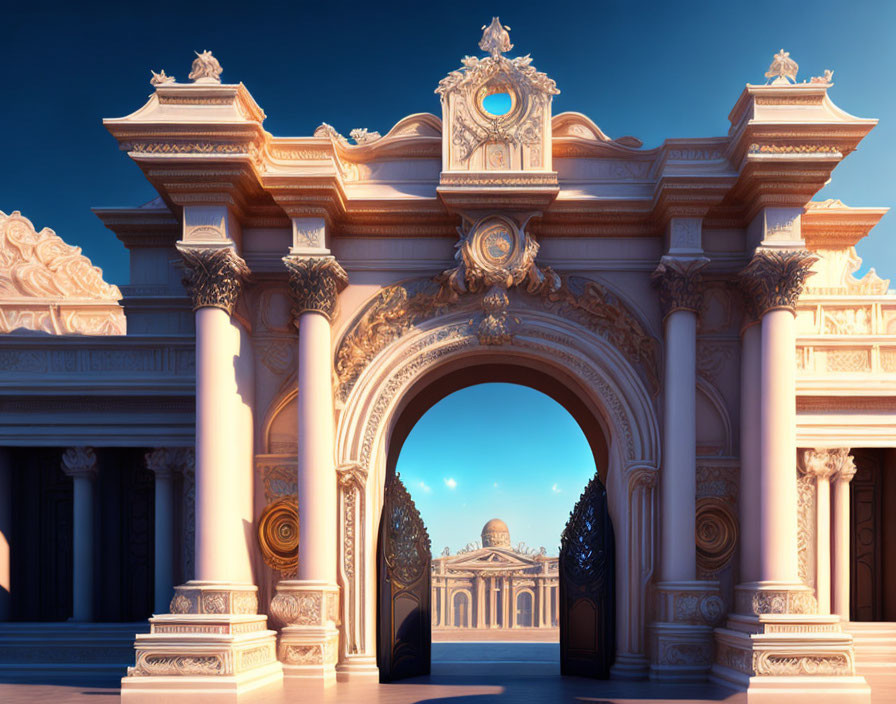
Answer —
214 276
205 69
160 78
495 38
782 68
79 462
315 284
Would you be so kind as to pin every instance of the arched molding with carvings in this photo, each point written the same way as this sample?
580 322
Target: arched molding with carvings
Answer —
580 359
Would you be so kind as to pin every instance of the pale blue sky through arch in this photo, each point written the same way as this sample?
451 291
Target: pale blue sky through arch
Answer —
496 451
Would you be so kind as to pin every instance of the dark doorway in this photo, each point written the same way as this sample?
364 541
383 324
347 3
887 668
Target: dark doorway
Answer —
873 536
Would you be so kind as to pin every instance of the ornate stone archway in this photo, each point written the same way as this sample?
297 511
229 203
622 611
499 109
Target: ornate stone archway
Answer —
589 361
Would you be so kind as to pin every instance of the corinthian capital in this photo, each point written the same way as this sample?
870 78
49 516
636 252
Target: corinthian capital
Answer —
315 282
680 283
823 463
79 462
214 276
774 278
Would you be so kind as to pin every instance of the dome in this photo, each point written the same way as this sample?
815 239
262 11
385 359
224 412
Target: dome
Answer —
495 534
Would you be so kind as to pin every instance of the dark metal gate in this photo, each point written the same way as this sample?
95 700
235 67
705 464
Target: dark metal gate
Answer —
404 628
587 587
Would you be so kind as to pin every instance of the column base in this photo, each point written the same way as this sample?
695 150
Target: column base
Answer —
780 648
630 667
214 644
681 639
358 667
309 642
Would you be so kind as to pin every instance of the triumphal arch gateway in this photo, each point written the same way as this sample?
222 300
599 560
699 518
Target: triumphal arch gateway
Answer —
690 305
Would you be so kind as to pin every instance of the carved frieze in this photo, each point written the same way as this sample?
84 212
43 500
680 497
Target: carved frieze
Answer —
214 276
774 278
315 284
680 283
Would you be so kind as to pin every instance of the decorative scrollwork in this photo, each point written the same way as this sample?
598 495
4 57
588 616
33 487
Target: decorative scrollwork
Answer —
585 552
408 551
278 534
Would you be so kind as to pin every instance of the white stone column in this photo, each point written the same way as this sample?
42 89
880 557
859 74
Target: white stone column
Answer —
164 462
5 533
776 619
80 464
679 629
841 531
214 639
821 465
309 643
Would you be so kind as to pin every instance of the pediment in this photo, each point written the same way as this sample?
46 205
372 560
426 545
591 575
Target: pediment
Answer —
490 558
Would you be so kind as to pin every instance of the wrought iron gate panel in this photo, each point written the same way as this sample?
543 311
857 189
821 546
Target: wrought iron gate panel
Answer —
404 632
587 587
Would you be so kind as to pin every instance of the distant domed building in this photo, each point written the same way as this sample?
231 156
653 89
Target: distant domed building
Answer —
494 586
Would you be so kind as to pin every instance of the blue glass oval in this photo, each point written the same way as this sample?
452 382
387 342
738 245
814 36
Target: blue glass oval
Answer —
497 103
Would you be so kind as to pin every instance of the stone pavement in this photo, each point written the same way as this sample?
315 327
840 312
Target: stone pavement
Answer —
462 673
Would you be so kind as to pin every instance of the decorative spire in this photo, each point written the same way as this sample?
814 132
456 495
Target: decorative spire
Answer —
160 78
206 68
782 69
495 38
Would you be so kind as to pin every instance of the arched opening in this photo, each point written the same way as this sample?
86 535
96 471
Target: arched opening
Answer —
493 587
461 607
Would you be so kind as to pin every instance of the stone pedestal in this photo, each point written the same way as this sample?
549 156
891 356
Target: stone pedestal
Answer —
681 639
777 648
309 642
214 643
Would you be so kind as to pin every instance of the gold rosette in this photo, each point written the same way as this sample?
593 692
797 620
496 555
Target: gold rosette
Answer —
278 534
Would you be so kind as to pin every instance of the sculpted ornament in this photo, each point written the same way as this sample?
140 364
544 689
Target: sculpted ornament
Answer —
680 283
278 535
49 286
315 283
206 68
79 462
214 276
783 69
774 278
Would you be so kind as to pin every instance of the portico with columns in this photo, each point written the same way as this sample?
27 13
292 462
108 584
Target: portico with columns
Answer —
297 303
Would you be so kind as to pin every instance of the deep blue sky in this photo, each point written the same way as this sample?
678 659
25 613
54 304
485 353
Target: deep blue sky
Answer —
527 466
648 69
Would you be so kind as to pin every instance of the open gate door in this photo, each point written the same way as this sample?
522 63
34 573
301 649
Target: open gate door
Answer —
404 576
587 587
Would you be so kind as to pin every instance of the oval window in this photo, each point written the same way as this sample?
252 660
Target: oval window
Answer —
497 104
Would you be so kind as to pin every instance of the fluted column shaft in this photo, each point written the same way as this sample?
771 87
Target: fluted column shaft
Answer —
680 287
80 464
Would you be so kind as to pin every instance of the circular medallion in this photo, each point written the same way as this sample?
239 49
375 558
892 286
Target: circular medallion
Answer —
716 529
278 534
496 242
